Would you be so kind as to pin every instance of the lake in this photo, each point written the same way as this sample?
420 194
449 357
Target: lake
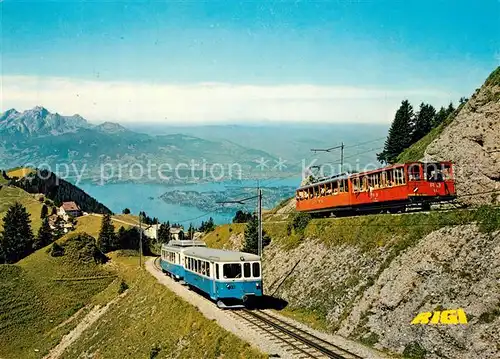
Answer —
146 197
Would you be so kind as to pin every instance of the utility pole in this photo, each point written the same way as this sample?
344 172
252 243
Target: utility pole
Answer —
140 240
260 223
341 147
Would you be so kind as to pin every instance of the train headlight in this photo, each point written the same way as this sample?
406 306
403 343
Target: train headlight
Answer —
257 285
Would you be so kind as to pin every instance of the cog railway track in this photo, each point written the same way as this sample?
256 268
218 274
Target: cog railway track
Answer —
298 342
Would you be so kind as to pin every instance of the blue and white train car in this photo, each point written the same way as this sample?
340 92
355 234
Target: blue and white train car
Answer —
172 257
223 274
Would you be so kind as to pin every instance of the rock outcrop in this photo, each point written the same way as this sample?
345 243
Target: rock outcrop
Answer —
472 142
372 296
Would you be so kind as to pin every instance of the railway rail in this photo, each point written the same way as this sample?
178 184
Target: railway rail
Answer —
300 343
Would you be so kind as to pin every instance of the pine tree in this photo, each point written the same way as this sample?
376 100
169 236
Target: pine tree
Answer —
107 238
400 134
439 117
450 109
423 121
44 211
251 244
17 236
126 211
44 236
190 231
164 233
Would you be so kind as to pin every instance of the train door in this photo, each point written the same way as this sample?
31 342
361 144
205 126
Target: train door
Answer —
213 273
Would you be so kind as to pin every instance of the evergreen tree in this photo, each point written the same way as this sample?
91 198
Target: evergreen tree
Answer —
17 236
450 109
191 231
59 228
400 134
126 211
251 244
44 212
207 226
164 233
439 117
423 121
2 253
242 217
107 238
44 236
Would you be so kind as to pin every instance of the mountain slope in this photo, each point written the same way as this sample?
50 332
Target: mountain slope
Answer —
37 136
367 277
60 191
39 122
471 139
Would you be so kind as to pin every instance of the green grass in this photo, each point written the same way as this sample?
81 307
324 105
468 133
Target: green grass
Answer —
20 172
372 231
151 319
219 238
34 302
10 195
494 78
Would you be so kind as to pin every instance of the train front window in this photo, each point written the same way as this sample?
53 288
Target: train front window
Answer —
217 270
231 270
256 269
246 270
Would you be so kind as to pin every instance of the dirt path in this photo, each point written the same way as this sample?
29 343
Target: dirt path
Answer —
86 322
233 324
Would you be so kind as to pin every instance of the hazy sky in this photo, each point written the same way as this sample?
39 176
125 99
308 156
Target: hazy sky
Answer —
228 61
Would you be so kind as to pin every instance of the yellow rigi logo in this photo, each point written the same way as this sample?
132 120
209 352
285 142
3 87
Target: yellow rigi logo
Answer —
453 316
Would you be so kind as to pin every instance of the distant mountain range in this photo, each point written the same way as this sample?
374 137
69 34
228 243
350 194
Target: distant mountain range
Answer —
38 136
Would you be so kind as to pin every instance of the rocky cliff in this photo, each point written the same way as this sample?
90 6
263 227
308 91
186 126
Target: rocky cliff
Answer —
472 142
367 279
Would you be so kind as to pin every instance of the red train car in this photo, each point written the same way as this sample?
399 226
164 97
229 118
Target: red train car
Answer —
392 188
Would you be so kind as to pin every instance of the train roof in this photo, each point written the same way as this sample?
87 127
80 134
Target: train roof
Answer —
171 248
220 255
326 180
187 243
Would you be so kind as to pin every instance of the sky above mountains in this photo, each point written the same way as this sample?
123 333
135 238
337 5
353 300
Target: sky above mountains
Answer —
225 61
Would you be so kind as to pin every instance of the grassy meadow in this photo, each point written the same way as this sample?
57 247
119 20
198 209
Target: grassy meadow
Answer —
152 322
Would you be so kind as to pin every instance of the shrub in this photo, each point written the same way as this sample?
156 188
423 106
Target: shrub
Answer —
298 222
123 287
414 351
155 350
56 250
81 247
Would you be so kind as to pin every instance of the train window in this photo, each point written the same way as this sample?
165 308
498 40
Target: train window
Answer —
246 270
232 270
414 172
208 269
399 177
217 270
256 270
383 179
355 183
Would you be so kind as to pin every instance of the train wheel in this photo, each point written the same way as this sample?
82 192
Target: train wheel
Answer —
426 206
